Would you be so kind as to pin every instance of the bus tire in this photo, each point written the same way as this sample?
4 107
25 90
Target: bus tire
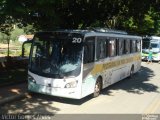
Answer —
97 88
131 72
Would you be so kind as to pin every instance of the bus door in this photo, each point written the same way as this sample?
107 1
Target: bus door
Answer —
88 65
102 59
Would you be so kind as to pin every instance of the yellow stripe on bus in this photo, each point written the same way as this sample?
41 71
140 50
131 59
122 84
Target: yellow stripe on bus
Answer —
108 65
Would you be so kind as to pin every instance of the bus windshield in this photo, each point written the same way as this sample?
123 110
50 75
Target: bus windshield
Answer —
154 45
56 58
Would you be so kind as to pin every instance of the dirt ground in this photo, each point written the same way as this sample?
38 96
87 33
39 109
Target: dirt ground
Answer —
4 48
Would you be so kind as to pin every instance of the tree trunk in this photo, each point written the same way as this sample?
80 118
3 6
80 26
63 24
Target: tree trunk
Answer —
8 42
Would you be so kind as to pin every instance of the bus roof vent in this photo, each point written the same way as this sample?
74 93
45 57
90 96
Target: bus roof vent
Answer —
107 30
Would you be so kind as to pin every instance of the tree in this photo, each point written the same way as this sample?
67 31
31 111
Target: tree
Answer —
7 28
6 23
129 15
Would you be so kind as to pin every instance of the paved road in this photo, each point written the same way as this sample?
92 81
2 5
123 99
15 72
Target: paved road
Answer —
138 95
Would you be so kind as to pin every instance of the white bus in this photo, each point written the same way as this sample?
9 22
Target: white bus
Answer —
154 45
77 63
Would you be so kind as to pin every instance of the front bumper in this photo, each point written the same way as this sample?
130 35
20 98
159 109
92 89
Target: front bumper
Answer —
60 92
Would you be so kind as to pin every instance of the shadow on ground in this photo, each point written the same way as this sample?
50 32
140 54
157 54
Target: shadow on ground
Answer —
29 106
13 70
138 84
12 90
13 76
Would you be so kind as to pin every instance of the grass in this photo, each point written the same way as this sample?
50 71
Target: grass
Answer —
15 49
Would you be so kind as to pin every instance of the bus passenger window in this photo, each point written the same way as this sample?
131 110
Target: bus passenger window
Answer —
127 46
112 48
133 46
89 50
117 46
138 45
101 49
107 47
121 46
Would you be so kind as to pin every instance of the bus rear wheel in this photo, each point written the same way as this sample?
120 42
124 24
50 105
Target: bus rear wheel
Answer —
97 88
131 72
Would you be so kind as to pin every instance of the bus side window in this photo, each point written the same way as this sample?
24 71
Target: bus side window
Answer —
89 50
100 48
127 46
138 45
117 46
121 46
107 47
112 47
133 46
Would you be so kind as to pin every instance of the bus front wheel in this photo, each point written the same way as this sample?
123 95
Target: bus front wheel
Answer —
97 88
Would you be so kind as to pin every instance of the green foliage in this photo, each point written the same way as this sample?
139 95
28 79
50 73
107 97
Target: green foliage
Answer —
3 38
27 49
140 17
13 35
29 29
130 24
16 33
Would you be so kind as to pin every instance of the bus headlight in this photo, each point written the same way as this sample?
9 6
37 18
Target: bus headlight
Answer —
30 78
72 84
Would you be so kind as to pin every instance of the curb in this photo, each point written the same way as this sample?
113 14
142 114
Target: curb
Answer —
13 98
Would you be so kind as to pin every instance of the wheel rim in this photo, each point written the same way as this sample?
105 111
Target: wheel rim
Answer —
131 73
97 88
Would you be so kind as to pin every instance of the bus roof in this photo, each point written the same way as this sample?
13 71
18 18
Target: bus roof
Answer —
89 33
155 37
